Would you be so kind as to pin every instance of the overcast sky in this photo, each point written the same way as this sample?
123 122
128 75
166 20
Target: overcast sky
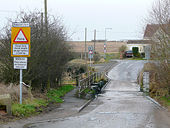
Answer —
125 17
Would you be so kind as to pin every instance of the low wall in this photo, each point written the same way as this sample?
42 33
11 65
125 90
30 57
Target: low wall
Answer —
6 101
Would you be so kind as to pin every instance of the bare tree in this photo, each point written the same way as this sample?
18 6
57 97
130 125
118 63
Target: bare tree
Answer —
49 54
122 49
160 15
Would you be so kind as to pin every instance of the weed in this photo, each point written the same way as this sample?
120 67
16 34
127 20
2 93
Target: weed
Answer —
165 100
23 110
30 107
112 56
55 95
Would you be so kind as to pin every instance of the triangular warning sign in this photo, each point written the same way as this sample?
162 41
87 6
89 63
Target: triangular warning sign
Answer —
20 37
90 52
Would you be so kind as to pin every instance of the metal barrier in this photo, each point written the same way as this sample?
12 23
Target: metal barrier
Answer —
87 82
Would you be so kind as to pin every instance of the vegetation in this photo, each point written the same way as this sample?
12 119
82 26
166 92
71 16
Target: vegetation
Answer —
136 58
30 107
96 57
75 68
90 91
122 50
160 83
165 101
157 89
49 53
54 95
135 51
110 56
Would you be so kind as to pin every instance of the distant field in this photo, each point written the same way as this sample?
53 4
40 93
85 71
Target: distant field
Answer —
112 47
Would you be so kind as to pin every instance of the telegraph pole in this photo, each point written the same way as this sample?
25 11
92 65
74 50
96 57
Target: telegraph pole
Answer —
85 43
94 40
42 23
45 11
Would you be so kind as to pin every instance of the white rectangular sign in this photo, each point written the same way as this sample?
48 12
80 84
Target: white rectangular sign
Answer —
20 63
20 49
17 24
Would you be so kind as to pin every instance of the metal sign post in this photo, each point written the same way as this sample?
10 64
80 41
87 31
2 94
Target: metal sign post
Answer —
20 47
90 60
20 86
104 50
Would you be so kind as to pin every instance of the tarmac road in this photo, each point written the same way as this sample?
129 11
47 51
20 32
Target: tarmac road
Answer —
121 106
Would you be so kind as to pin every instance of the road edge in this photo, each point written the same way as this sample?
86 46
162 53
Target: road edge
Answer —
102 90
156 103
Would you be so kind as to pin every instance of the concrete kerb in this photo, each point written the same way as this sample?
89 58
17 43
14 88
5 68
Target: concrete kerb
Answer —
102 90
109 80
89 101
156 103
79 110
85 105
32 125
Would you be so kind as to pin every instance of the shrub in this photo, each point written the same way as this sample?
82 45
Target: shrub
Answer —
135 51
122 49
96 57
76 67
28 108
49 53
142 55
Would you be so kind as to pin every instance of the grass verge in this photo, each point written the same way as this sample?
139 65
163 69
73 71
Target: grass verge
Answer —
165 101
110 56
29 107
136 58
54 95
32 107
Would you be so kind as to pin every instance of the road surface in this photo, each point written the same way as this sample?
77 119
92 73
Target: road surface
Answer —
121 106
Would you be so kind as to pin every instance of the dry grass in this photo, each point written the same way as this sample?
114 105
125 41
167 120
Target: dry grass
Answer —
158 86
156 90
14 91
77 61
112 46
148 67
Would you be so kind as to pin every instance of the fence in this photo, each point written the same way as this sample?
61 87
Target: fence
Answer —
87 82
84 83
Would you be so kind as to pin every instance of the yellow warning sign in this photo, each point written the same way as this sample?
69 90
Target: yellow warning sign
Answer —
20 35
20 41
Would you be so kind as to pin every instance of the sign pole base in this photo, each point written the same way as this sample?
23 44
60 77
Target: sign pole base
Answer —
90 62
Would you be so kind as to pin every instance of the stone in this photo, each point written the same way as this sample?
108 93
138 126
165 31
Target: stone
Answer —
5 100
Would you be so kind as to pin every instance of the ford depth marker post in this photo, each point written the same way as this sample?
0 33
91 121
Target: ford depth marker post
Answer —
90 48
20 47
